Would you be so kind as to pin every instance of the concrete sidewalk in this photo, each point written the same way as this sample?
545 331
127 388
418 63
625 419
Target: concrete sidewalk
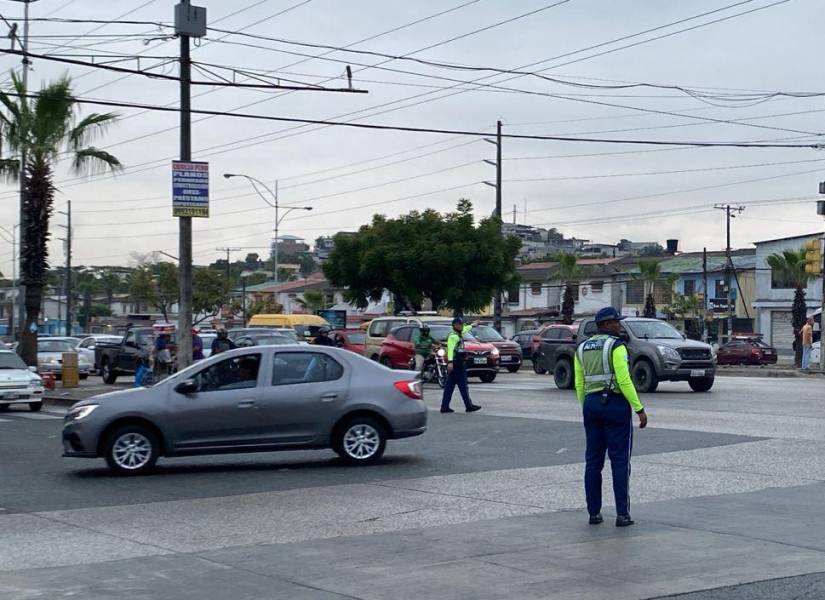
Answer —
676 547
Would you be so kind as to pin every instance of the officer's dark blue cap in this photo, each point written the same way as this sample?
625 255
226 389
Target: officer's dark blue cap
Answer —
608 313
458 321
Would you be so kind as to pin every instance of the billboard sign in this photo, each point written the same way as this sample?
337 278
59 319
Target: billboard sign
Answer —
190 189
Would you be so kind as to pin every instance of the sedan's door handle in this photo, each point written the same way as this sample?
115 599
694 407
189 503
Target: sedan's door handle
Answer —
246 404
332 397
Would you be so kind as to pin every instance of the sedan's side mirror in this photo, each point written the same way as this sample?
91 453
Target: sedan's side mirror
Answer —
187 387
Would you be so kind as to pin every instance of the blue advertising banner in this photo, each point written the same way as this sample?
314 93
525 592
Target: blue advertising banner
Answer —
190 189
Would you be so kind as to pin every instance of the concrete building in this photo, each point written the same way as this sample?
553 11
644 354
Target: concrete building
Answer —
773 298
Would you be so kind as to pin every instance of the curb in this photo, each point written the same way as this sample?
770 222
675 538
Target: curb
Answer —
782 373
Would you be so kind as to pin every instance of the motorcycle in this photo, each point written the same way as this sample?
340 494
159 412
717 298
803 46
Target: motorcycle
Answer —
434 369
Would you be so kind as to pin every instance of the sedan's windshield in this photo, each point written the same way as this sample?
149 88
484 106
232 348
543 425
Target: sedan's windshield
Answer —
54 346
485 333
653 330
9 360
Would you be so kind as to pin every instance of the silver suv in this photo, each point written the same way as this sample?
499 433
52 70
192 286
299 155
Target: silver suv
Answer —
263 398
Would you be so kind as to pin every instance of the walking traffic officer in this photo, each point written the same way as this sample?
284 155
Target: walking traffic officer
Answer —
607 395
457 368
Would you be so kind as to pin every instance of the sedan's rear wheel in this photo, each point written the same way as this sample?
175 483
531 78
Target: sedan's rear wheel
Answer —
360 441
132 450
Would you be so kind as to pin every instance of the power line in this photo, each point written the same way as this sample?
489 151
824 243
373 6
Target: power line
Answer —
674 172
173 78
374 126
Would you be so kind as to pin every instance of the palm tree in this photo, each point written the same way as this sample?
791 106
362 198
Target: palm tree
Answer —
313 300
788 270
569 273
40 129
650 271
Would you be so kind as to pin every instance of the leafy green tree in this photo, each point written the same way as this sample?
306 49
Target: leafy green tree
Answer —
41 129
252 261
307 265
210 293
167 287
110 284
569 273
446 259
142 288
788 270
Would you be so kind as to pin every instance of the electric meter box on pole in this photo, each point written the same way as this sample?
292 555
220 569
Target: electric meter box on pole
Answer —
190 20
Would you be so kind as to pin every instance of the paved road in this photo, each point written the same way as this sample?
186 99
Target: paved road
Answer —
727 489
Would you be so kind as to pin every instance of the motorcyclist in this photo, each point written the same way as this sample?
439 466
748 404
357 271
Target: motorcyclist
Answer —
323 339
222 343
423 346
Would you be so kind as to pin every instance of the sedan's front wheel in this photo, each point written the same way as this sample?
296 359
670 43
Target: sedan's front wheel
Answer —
132 450
360 441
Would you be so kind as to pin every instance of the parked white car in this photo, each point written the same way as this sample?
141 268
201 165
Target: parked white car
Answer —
86 347
18 384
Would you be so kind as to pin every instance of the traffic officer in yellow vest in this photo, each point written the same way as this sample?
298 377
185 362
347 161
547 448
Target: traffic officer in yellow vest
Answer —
457 368
607 395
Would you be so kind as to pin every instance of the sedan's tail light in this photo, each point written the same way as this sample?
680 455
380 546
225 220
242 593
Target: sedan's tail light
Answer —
410 388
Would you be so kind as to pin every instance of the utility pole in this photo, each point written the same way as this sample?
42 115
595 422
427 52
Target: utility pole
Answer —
729 210
497 214
68 282
705 295
515 217
189 21
24 46
228 270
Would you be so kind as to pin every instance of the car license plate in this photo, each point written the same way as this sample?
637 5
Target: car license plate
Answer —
11 396
697 372
506 358
480 360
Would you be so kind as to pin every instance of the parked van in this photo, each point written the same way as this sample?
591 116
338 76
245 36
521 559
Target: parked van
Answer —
306 326
380 327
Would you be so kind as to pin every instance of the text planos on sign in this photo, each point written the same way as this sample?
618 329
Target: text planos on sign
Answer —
190 189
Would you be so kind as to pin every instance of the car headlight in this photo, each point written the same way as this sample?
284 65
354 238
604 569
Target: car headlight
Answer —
81 412
669 354
494 352
49 361
441 353
35 382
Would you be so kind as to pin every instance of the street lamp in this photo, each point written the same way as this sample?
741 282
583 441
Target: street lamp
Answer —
278 217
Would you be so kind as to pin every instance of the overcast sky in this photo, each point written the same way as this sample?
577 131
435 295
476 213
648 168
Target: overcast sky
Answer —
339 171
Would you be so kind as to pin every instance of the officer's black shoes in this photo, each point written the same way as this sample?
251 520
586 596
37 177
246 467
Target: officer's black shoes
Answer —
596 519
624 521
447 410
473 408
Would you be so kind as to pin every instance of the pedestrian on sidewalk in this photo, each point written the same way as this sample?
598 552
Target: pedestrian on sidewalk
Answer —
457 368
807 332
606 392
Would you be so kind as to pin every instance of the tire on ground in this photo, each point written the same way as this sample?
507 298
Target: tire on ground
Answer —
487 377
139 434
345 439
563 374
644 377
701 384
538 368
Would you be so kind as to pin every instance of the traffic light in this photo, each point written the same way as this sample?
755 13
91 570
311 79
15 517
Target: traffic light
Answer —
813 257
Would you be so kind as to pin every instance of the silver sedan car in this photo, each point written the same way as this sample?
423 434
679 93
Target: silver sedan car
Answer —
262 398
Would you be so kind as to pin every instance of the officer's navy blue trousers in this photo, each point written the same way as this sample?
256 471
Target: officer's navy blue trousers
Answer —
609 429
456 377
